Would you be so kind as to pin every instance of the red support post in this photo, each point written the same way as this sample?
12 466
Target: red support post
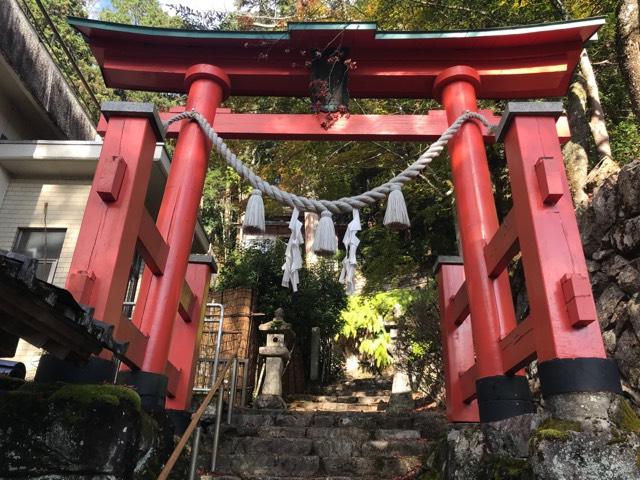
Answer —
156 313
186 336
457 342
567 335
490 301
109 231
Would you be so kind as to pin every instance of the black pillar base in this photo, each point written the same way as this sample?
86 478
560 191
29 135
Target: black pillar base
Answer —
152 387
96 370
576 375
180 420
502 397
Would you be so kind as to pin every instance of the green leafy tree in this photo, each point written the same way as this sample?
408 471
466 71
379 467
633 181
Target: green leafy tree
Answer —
364 323
147 13
318 303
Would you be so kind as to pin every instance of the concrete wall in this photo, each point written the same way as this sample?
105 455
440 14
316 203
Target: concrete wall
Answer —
40 88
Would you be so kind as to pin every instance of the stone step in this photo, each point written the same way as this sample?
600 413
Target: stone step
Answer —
312 406
323 447
361 399
324 477
250 422
264 466
266 446
377 467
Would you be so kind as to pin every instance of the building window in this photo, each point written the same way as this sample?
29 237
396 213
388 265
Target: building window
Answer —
133 285
44 245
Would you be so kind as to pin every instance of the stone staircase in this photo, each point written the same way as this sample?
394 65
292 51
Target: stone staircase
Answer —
316 439
360 395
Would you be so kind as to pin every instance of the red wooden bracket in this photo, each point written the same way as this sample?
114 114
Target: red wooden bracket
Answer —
109 178
503 246
468 383
173 376
579 300
187 302
459 305
80 285
151 244
518 347
128 332
549 180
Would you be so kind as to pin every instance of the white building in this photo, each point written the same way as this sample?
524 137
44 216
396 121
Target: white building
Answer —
49 150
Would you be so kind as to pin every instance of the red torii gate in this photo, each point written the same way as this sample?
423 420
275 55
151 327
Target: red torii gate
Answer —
485 348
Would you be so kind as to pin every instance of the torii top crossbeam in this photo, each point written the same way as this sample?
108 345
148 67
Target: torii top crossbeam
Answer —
521 62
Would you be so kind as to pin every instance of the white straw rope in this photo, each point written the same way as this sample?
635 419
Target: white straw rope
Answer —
342 205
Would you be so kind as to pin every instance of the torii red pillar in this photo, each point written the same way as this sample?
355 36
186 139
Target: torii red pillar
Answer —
499 396
156 311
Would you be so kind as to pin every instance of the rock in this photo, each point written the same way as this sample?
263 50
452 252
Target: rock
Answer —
602 254
593 234
599 281
609 338
605 204
585 456
627 356
592 266
601 445
511 436
628 182
629 280
581 407
465 449
625 236
633 313
270 402
612 265
80 430
607 303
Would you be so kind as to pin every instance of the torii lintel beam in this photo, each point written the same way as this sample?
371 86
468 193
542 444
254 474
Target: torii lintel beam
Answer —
292 126
519 62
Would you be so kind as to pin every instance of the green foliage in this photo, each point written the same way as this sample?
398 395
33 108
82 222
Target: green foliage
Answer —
419 347
628 419
318 302
365 319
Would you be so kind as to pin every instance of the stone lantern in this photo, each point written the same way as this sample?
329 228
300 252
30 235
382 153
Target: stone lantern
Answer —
279 333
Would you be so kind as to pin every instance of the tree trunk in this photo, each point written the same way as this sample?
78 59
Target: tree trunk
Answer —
606 164
575 152
628 49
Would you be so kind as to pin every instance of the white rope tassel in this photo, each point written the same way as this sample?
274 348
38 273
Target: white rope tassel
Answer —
351 242
396 216
325 244
254 216
293 256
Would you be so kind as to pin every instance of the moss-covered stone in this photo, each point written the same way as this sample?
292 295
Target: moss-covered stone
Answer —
499 467
627 418
112 394
556 429
51 429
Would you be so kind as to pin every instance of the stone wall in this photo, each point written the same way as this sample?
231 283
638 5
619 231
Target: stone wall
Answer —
610 230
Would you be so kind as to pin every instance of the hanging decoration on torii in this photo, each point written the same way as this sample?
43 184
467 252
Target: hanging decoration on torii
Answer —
325 242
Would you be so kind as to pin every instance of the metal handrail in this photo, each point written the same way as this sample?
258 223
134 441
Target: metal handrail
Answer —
195 420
